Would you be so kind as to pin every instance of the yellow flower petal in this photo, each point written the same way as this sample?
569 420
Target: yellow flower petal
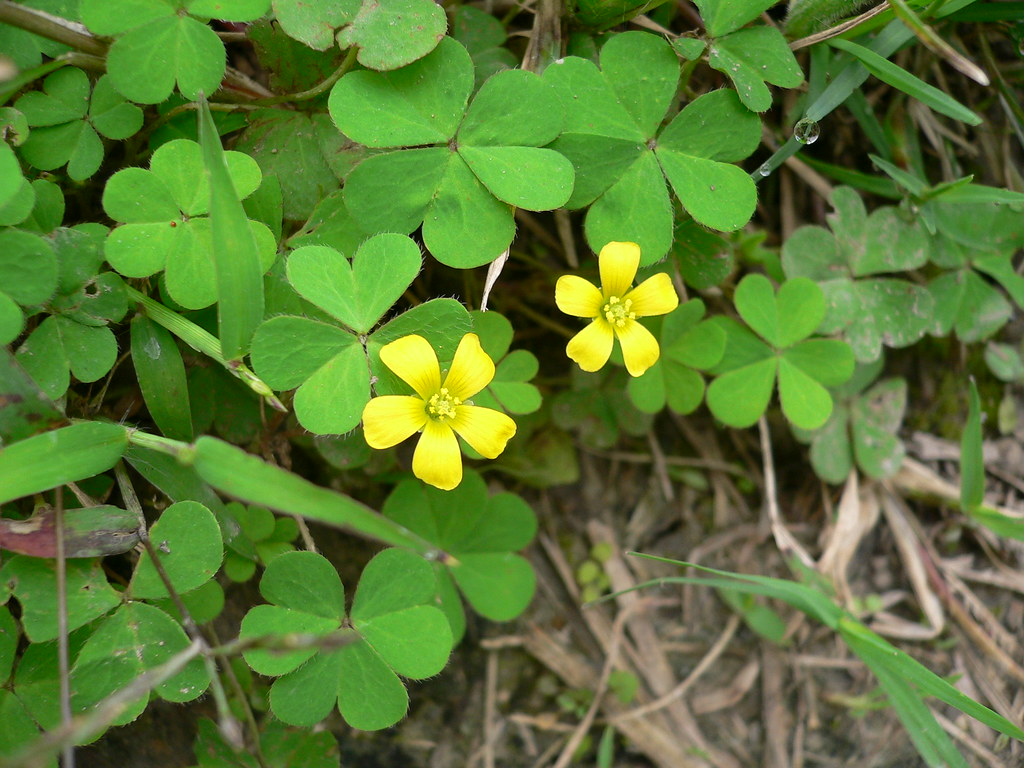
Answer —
639 347
390 419
618 263
413 360
654 296
437 459
472 369
578 297
592 346
485 429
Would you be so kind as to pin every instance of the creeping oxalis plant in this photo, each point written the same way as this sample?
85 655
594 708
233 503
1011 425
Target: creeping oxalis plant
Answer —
350 345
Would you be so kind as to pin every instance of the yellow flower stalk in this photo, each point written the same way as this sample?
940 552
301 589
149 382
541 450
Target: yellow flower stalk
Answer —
614 309
440 409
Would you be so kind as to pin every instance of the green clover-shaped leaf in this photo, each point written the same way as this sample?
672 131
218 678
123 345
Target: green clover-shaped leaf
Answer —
19 206
294 147
85 293
804 367
753 57
313 21
388 35
484 38
748 57
393 34
621 159
862 428
396 633
19 727
687 346
968 304
328 362
34 582
156 46
280 745
67 123
510 389
59 346
874 312
359 294
165 223
471 165
28 276
75 339
271 535
133 640
724 16
11 178
705 258
482 533
187 541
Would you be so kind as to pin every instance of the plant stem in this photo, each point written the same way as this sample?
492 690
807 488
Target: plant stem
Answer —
316 90
204 342
70 33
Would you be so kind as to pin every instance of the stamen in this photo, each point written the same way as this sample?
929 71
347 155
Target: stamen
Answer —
617 312
441 405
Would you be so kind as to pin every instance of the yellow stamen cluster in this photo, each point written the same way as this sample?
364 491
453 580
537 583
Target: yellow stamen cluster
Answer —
442 404
617 311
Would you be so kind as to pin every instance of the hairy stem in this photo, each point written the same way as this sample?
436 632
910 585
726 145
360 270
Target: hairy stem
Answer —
70 33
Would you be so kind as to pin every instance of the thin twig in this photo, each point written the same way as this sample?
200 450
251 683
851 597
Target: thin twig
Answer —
680 690
228 724
47 25
490 697
839 28
63 661
569 750
784 540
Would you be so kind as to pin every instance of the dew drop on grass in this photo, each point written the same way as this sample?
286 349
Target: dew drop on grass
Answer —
765 169
806 131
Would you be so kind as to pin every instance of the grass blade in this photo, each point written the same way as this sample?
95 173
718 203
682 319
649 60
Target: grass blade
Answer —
898 663
161 374
233 471
235 255
58 457
972 462
910 84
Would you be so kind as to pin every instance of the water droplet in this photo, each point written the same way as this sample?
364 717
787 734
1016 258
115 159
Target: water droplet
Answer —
765 169
806 131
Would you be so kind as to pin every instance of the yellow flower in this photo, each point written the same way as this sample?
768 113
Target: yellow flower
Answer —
615 308
439 410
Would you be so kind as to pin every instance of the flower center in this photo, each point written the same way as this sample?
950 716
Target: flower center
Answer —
616 311
441 405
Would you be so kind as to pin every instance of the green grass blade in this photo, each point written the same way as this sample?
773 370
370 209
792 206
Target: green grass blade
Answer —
1000 524
804 598
972 462
910 84
60 456
235 255
161 375
908 181
233 471
205 342
875 651
932 743
896 662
